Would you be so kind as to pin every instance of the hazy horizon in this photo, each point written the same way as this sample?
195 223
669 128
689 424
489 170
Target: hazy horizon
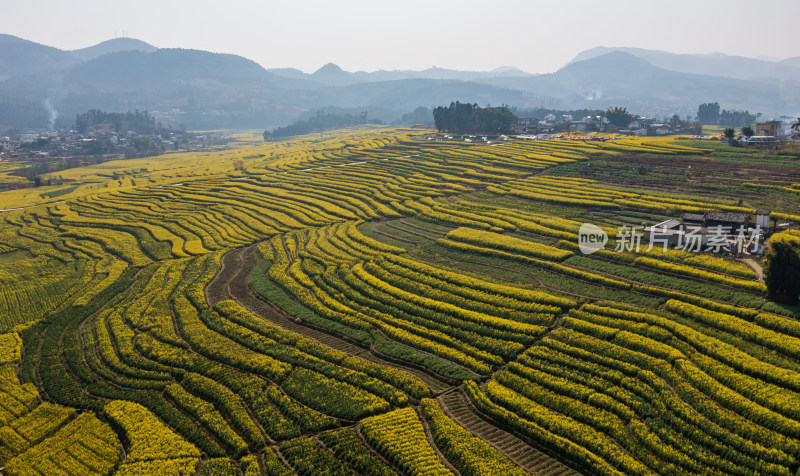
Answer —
535 37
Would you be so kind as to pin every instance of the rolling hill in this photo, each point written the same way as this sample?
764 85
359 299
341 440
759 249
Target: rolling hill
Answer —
715 64
39 83
113 46
19 57
622 78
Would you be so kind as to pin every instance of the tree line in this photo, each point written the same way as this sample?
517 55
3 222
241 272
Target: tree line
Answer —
782 268
710 113
464 118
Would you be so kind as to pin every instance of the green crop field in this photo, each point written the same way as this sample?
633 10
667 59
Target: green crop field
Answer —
367 301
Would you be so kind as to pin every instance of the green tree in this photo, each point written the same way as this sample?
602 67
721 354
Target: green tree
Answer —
729 132
139 121
619 116
708 113
796 125
782 272
464 118
747 131
99 147
736 118
142 143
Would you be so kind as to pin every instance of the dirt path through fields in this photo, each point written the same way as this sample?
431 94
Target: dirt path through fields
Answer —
534 461
233 282
753 264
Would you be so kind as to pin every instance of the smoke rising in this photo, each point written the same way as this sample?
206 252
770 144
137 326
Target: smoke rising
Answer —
53 113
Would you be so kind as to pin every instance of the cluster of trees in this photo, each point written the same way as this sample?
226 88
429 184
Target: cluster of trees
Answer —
746 131
782 270
736 118
463 118
619 116
420 115
709 113
320 122
140 122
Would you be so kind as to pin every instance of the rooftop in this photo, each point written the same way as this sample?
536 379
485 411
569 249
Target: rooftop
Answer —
692 217
726 217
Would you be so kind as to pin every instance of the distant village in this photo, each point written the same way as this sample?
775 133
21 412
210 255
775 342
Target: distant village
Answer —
95 137
99 141
567 124
545 128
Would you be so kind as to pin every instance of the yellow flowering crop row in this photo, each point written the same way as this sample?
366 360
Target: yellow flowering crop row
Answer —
84 446
461 281
469 454
557 267
774 340
207 414
444 307
148 437
565 445
508 243
459 294
698 273
400 437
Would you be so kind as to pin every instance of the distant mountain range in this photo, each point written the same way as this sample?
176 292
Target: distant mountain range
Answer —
332 75
715 64
620 78
20 57
42 86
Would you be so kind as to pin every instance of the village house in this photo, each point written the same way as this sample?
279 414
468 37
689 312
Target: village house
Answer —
577 126
546 127
660 129
525 125
704 228
725 219
596 122
769 128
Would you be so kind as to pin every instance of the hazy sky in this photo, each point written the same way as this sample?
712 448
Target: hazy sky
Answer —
536 36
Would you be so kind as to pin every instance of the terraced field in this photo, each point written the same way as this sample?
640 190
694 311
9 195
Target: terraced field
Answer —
371 302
